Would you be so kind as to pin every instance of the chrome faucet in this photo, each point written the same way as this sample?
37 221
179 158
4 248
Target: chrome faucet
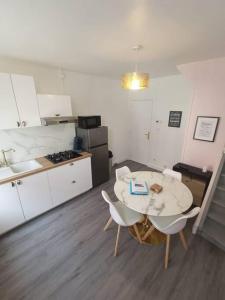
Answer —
5 162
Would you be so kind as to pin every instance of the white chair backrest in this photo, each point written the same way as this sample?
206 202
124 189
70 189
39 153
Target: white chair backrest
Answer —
173 174
115 213
122 172
183 218
106 197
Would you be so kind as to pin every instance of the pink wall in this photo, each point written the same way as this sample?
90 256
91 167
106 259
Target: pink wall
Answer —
208 82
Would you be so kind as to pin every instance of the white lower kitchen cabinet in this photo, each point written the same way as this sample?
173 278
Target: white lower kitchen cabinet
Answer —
70 180
34 194
11 213
83 175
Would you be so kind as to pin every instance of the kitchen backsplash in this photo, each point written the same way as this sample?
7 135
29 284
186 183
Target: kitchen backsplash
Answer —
35 142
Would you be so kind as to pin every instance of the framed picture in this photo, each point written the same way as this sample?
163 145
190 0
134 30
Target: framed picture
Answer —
175 119
205 128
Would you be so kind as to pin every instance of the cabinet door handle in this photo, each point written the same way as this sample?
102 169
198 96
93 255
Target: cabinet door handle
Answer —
71 164
13 183
147 135
18 124
24 123
74 181
19 182
57 115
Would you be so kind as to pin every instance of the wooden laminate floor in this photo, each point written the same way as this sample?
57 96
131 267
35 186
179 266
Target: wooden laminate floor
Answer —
64 254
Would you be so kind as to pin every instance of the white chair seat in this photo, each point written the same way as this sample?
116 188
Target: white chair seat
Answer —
129 216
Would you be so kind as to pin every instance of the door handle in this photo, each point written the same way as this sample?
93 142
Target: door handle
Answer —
147 135
18 124
19 182
24 123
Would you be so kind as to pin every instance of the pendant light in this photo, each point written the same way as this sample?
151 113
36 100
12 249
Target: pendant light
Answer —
135 80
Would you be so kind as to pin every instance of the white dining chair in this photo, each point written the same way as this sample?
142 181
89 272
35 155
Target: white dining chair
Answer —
173 174
122 172
123 216
171 225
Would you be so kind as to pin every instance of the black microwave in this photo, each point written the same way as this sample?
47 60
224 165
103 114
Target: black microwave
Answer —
87 122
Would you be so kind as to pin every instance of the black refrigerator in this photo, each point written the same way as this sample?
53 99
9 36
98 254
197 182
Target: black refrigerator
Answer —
95 141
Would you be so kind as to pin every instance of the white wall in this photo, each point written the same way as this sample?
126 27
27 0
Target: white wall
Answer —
98 95
107 98
90 95
166 93
207 79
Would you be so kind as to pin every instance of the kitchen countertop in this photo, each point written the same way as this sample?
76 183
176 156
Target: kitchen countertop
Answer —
46 165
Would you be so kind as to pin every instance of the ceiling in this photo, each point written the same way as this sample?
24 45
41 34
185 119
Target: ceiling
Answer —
96 36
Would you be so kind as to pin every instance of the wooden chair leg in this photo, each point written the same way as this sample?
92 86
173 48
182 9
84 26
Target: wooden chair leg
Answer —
108 223
183 240
137 233
167 250
117 241
150 230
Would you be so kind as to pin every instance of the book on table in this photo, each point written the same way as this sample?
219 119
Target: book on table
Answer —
138 187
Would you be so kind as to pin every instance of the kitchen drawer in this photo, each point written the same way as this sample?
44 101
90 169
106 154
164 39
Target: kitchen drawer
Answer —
70 180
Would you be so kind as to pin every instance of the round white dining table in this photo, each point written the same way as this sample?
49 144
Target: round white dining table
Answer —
174 198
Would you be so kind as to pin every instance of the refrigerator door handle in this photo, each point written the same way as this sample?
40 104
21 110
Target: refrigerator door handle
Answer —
97 146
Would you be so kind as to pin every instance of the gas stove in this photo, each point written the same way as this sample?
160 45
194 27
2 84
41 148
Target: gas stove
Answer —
59 157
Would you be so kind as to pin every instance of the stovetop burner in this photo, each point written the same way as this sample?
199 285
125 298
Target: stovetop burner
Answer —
56 158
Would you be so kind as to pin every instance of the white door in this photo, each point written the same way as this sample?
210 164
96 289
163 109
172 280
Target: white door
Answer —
26 98
54 105
140 132
9 117
34 194
11 213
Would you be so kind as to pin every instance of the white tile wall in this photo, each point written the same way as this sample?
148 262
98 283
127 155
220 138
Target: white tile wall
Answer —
34 142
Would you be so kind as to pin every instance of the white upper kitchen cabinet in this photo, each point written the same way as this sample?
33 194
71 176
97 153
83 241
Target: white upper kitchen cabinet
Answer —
9 117
11 213
26 99
34 194
70 180
54 105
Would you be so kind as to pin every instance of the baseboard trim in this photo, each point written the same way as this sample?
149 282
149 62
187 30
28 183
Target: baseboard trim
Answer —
155 167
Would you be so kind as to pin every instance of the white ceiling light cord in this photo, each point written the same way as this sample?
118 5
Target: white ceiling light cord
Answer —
61 76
